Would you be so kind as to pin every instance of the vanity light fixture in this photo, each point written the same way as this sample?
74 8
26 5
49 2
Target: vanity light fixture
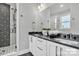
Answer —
39 7
42 5
61 5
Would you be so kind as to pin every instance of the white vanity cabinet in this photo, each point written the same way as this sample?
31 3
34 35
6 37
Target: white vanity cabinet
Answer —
41 47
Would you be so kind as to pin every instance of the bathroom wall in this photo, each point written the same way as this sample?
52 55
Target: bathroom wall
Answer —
44 17
26 17
75 16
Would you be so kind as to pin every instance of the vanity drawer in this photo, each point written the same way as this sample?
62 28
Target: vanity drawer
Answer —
40 41
42 47
40 51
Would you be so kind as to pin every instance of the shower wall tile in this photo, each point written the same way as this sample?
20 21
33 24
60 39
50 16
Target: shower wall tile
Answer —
4 25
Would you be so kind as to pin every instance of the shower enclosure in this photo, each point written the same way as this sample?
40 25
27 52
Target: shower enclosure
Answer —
7 28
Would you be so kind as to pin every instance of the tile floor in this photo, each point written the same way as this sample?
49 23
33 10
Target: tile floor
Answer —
27 54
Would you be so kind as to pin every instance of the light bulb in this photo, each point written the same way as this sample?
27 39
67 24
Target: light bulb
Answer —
39 7
61 5
42 5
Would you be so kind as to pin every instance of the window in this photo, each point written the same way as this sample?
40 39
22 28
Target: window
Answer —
65 22
55 22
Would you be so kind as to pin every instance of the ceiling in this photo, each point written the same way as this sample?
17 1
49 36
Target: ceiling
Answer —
42 6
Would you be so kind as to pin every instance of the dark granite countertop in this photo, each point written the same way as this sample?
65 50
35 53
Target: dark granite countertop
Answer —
58 40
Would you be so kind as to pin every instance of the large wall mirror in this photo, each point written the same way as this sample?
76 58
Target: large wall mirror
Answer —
62 20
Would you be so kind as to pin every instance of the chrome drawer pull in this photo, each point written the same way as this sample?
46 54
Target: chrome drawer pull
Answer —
56 51
40 48
60 51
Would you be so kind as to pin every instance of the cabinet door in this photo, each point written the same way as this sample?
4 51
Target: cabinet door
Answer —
68 51
48 48
34 52
40 47
30 43
40 52
53 49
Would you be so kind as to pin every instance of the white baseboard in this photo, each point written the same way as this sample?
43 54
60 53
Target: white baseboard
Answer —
24 51
17 53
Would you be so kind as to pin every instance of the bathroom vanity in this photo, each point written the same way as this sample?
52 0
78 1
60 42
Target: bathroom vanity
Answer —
41 45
